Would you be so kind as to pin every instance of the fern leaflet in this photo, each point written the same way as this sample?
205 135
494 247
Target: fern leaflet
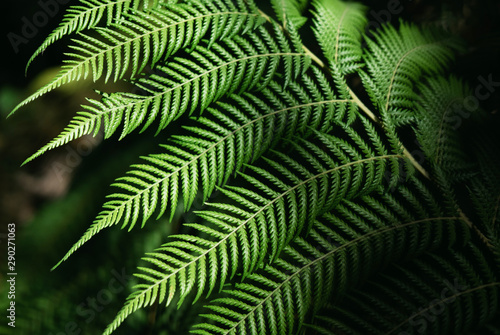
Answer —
443 287
337 27
236 64
337 254
395 61
88 15
210 146
262 223
145 38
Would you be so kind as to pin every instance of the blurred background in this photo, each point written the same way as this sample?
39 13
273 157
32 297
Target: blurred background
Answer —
53 199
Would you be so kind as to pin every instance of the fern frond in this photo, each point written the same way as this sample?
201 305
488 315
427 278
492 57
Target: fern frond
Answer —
447 294
261 223
338 27
344 247
141 39
216 147
87 15
395 62
234 66
290 10
439 113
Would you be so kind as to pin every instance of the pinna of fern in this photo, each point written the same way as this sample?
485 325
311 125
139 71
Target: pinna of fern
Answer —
123 49
343 248
88 14
292 11
433 294
437 125
233 66
338 27
395 59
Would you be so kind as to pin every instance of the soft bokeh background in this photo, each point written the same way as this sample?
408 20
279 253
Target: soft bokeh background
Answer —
53 199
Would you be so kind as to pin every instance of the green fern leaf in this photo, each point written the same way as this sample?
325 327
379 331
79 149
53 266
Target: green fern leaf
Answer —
395 62
344 248
87 15
447 294
125 48
338 28
438 114
290 10
233 66
317 221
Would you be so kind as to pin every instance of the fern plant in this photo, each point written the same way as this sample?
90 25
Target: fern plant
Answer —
293 135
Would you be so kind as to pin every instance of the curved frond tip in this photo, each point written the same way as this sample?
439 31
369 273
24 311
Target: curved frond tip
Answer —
88 14
124 49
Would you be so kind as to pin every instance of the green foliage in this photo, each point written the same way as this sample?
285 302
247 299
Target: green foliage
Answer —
338 28
88 14
236 64
409 296
343 248
302 208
